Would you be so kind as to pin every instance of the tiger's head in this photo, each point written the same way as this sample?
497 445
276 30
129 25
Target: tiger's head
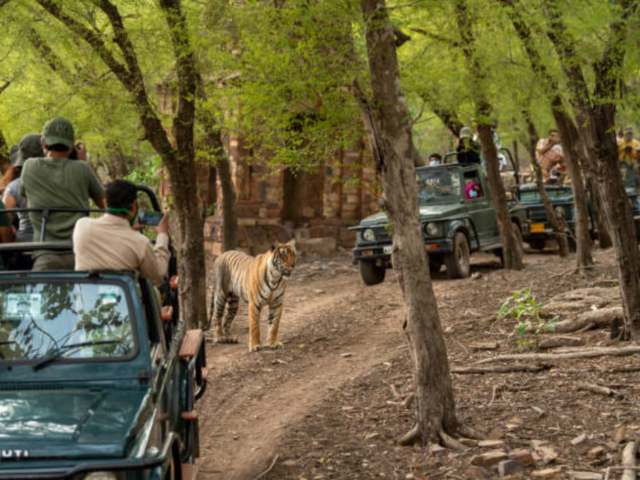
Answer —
284 257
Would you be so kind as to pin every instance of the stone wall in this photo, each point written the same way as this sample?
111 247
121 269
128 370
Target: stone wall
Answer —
315 206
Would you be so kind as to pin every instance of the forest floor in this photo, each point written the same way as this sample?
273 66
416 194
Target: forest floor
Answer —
330 404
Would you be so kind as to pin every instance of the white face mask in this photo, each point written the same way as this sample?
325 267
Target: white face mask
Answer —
473 194
434 163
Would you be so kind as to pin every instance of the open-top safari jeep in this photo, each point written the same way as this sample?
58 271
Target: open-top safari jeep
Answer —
98 377
453 224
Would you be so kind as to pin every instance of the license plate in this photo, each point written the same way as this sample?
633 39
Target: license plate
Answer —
537 227
387 250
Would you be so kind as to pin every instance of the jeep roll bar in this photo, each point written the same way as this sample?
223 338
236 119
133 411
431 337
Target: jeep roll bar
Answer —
505 151
58 246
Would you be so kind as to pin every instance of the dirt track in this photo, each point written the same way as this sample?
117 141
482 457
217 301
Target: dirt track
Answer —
334 329
329 404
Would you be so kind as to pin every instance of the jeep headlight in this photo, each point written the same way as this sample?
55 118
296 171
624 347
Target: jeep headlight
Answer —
431 229
101 476
559 211
368 235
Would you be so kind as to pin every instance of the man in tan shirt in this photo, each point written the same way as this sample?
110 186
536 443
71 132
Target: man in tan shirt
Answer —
110 242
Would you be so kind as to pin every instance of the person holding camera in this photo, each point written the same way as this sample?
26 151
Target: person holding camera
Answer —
58 180
549 154
628 147
111 242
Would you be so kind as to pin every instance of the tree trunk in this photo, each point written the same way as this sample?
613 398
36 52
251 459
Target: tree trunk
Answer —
560 236
512 256
191 266
570 144
179 159
223 167
604 237
617 210
568 133
596 115
387 122
229 197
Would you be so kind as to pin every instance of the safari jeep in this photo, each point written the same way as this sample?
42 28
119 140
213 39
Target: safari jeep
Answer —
98 380
453 225
540 230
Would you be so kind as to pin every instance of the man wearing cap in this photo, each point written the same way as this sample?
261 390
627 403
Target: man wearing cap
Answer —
56 181
628 147
467 148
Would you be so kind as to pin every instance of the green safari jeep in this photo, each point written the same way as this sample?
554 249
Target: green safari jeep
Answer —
540 230
457 217
98 376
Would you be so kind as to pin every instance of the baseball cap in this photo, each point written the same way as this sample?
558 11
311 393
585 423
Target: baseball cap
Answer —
13 155
59 131
628 130
30 147
465 132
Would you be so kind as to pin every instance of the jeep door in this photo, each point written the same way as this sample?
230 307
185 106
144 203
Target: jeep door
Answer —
481 211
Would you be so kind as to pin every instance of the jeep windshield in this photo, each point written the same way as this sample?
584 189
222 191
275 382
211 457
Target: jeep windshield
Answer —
552 193
71 321
438 184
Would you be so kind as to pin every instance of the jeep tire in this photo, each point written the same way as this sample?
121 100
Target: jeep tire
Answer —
459 262
435 264
371 273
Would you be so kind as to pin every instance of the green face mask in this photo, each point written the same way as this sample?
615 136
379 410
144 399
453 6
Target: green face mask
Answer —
120 211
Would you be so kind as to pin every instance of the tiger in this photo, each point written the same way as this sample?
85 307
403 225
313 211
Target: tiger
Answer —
260 281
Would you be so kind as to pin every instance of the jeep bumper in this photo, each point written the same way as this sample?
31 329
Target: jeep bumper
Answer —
382 253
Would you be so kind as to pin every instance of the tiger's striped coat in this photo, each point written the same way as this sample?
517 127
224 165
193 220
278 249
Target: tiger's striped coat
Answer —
261 281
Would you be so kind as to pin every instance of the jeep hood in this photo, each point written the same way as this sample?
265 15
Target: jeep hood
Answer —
427 212
69 422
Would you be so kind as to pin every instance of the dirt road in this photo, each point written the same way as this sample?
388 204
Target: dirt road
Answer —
330 405
334 329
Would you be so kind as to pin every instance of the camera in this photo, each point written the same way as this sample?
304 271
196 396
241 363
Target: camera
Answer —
150 219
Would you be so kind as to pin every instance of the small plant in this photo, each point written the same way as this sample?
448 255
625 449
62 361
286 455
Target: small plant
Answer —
529 313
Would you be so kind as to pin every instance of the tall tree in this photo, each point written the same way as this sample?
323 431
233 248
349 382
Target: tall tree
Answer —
595 112
178 157
387 122
512 253
568 133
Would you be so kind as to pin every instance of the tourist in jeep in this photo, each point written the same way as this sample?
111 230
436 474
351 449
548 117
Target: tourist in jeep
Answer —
467 148
58 181
110 242
435 159
628 147
549 154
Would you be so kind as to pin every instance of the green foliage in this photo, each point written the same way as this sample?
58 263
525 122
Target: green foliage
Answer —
529 313
279 74
148 173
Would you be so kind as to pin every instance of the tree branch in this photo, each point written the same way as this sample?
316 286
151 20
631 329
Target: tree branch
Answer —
400 37
435 36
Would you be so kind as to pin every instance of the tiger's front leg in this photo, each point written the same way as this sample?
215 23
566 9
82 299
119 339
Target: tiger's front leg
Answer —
254 328
275 312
